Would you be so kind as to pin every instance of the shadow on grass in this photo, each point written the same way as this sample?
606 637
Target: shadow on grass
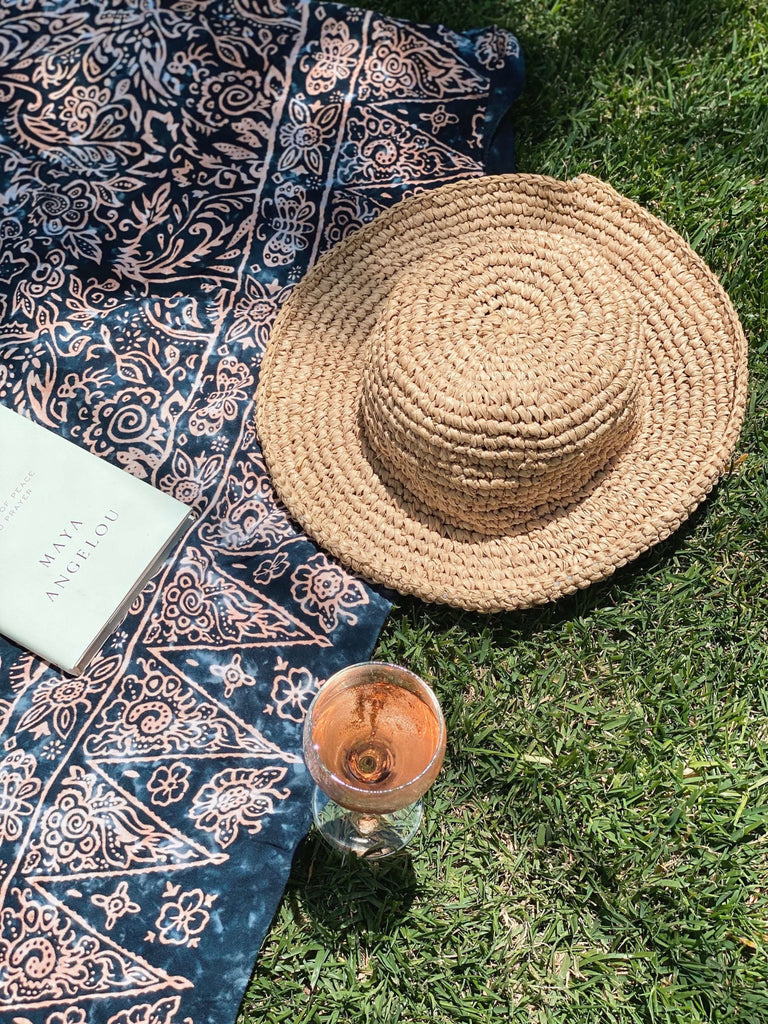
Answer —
343 895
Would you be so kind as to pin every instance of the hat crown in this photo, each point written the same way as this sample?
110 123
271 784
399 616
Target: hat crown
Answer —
501 377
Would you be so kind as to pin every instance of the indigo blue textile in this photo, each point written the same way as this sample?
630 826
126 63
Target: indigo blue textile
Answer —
168 171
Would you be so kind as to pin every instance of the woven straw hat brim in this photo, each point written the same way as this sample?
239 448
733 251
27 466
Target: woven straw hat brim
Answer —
691 400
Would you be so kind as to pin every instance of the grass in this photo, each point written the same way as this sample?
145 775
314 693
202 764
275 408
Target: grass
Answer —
596 849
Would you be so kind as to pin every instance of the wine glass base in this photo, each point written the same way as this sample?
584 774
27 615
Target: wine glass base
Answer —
369 836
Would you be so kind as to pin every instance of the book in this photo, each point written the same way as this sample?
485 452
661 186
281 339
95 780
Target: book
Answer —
79 539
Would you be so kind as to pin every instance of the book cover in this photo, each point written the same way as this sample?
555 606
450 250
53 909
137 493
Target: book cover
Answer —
79 538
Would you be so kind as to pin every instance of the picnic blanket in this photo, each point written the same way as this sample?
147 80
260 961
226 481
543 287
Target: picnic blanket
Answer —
168 171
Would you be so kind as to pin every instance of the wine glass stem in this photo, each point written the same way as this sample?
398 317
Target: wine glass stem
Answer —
364 823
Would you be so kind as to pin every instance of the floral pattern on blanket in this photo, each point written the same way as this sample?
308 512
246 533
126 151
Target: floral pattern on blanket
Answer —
168 171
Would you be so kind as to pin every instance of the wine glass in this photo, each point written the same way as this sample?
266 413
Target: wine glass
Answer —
374 741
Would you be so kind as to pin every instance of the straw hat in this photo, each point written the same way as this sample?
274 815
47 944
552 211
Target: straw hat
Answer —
501 390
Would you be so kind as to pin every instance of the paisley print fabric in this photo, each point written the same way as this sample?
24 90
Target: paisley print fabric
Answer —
168 171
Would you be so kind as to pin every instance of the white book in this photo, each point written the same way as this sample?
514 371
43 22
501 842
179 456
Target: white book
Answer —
79 539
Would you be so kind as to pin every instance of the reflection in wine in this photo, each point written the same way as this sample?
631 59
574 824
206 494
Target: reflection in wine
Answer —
377 737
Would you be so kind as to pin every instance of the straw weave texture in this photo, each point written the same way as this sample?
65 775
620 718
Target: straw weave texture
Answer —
502 390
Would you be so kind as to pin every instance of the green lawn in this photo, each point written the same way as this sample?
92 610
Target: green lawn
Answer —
596 849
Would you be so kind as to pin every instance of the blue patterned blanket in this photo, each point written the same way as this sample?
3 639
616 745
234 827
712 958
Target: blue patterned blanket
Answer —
168 171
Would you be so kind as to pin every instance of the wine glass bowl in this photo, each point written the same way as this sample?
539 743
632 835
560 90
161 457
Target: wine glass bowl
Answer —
374 742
